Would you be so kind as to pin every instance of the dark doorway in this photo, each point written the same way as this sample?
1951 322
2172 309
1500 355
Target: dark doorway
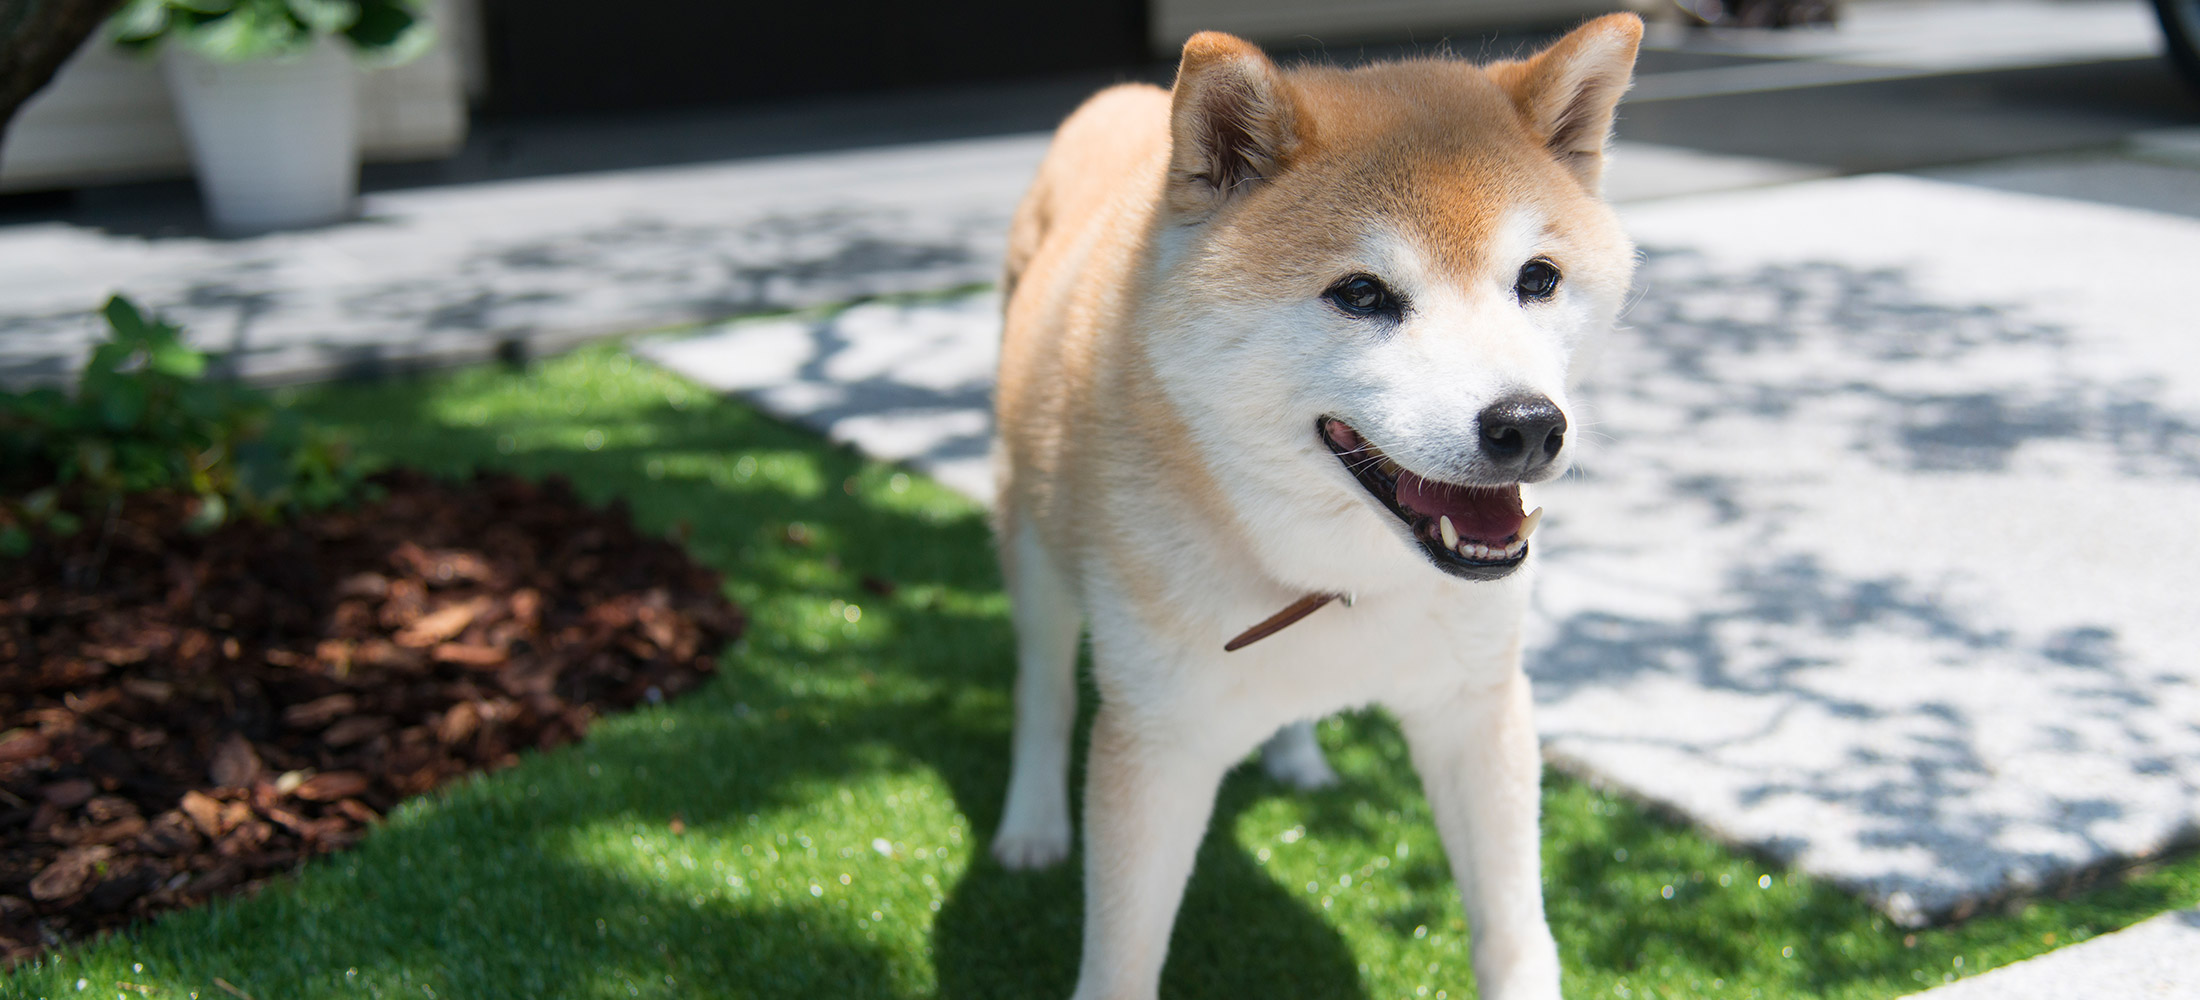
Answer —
555 56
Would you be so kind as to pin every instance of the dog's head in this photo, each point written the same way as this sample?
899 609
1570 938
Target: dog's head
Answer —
1372 289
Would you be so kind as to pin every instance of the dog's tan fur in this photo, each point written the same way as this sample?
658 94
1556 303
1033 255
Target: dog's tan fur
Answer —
1126 505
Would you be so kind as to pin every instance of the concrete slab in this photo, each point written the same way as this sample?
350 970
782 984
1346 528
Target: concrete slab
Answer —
908 381
2180 146
464 272
2155 960
1871 565
1866 569
2137 180
1640 171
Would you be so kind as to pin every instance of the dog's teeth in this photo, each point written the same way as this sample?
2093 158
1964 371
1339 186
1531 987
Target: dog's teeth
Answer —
1451 534
1527 527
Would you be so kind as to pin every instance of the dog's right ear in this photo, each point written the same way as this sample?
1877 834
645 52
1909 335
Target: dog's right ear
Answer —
1232 123
1567 93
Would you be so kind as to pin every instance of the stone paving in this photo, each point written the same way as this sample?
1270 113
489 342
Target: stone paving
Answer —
2155 960
466 272
1867 567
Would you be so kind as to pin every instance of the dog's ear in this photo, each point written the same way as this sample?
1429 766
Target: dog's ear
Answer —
1567 92
1232 123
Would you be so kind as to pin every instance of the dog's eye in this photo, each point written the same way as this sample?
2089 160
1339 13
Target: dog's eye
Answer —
1538 279
1364 295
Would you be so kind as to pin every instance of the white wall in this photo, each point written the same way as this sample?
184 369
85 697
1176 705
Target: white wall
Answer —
106 116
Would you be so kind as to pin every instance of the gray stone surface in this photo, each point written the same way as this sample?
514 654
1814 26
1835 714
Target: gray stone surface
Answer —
1640 171
2155 960
2180 146
462 272
2137 181
906 381
1877 562
465 272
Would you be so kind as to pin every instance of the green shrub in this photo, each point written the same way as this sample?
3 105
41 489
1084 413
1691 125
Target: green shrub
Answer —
145 418
386 31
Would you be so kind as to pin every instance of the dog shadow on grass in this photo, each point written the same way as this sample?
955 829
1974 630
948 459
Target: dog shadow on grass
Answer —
1238 933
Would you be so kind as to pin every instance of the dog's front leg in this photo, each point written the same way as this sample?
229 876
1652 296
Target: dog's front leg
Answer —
1479 762
1149 791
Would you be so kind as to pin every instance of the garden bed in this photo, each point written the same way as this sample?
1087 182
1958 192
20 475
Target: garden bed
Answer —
187 716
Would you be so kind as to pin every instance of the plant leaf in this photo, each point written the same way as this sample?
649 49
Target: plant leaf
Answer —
263 470
123 316
106 361
324 17
390 32
121 403
248 32
139 22
172 357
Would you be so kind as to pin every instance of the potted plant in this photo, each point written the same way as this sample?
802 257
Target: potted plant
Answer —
268 98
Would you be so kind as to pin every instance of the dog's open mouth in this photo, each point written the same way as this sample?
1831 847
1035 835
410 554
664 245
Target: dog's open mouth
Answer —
1477 532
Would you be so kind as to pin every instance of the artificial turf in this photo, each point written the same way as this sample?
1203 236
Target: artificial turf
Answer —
812 823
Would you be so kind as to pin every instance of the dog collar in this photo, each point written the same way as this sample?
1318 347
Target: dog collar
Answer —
1283 619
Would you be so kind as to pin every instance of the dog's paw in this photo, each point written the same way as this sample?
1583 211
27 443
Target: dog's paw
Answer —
1031 846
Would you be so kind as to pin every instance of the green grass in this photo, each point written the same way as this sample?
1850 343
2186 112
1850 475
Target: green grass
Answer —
840 778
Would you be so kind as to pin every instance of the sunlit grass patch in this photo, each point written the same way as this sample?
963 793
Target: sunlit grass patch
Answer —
813 822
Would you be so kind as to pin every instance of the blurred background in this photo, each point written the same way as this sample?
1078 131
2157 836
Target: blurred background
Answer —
520 89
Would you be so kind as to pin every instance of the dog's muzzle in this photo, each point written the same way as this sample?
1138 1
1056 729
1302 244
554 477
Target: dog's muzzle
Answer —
1472 531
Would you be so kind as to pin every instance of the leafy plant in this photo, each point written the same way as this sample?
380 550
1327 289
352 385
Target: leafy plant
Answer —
144 418
388 31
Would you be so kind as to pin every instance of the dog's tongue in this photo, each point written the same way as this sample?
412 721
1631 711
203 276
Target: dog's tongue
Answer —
1487 514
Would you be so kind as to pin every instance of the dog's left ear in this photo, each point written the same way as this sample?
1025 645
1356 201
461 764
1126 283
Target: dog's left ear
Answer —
1567 92
1232 123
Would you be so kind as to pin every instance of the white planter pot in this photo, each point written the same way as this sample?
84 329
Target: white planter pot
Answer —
275 143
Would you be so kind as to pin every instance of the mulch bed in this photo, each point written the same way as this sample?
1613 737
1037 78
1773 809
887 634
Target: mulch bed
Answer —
183 717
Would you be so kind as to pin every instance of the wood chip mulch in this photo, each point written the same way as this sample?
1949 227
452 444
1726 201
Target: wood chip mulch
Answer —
187 717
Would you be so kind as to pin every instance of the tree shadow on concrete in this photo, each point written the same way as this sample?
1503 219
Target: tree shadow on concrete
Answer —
530 294
1917 388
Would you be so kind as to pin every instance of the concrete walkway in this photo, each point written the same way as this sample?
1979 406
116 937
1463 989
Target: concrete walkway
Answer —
2155 960
467 272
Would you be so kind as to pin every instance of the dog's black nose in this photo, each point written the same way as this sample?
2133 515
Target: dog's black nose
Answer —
1522 433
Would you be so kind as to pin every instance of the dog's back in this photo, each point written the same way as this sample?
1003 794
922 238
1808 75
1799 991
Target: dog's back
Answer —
1071 270
1110 141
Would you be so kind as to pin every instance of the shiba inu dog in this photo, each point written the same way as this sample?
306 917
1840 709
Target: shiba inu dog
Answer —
1273 337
